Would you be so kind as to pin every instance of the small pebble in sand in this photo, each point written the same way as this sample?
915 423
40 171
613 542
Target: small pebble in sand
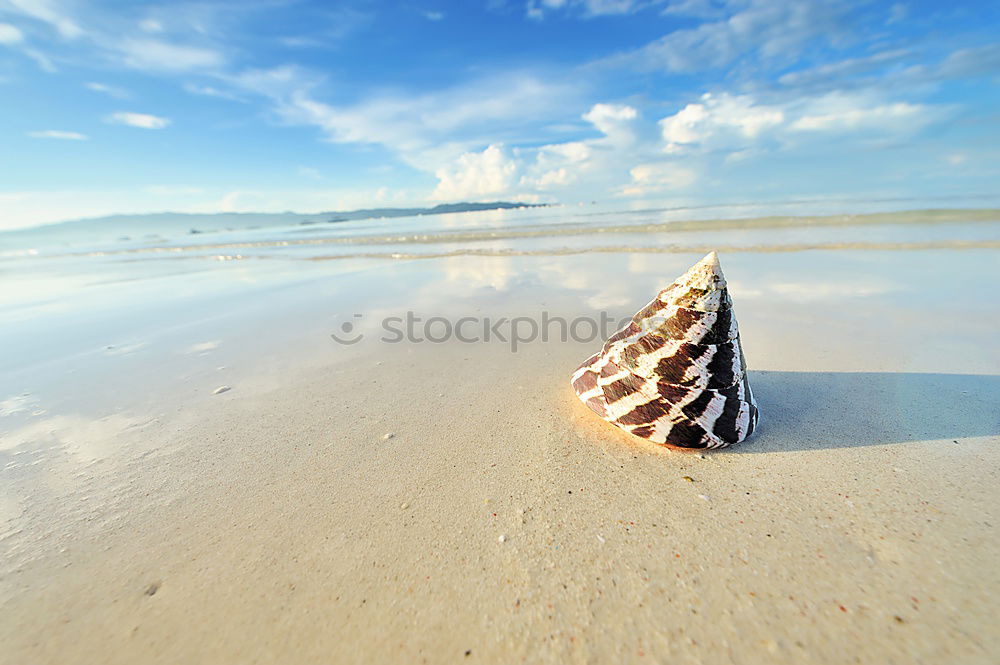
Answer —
688 478
387 436
704 497
221 389
502 538
405 505
601 538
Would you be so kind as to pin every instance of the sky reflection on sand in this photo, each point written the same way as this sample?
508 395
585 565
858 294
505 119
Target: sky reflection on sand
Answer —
138 334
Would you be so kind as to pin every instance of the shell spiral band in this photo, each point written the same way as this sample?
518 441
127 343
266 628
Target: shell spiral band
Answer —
676 374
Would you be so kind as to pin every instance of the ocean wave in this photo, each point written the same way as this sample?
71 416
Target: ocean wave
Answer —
915 217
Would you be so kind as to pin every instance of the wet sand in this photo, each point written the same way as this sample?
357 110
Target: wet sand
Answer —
501 521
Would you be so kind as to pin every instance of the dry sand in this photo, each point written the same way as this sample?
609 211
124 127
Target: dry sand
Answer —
282 527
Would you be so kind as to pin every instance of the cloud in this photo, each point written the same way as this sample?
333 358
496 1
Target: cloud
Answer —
10 34
536 9
141 120
969 62
614 121
278 84
212 91
156 55
527 171
865 116
150 25
47 12
58 134
657 177
705 9
835 73
896 69
597 162
475 175
558 165
117 38
769 31
856 118
434 15
43 61
330 22
718 130
554 178
719 119
426 130
736 123
109 90
897 13
574 152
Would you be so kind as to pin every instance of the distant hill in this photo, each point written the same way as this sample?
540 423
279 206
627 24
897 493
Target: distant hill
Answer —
172 224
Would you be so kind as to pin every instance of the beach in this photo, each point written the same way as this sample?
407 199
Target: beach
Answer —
216 451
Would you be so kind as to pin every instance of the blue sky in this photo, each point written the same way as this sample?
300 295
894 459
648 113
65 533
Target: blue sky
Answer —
270 105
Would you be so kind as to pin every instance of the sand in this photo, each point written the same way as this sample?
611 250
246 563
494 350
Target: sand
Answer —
284 528
502 521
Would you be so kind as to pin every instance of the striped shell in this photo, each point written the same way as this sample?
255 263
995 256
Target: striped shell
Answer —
676 374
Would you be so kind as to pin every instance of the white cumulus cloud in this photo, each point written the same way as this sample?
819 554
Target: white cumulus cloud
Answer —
558 164
613 120
718 117
477 174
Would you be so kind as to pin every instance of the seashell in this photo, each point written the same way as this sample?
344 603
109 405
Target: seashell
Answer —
676 374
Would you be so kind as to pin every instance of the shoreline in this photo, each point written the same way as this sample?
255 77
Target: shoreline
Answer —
920 217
